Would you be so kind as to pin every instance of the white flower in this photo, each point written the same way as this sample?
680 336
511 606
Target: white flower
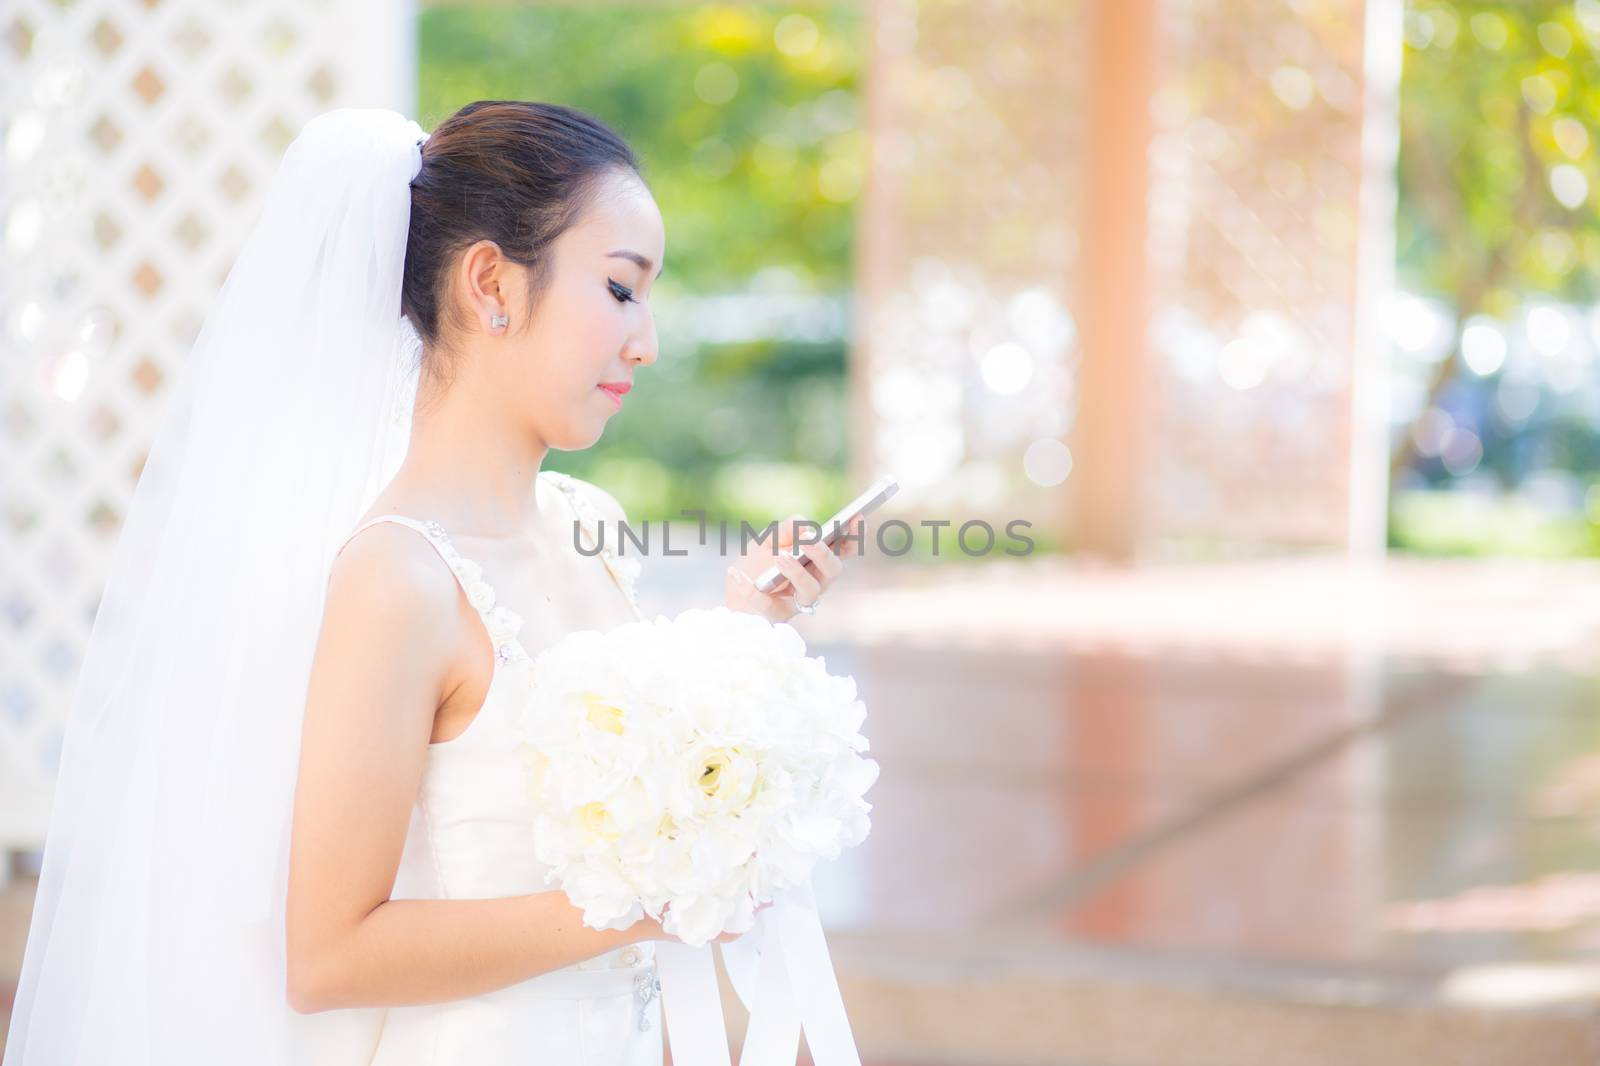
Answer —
693 765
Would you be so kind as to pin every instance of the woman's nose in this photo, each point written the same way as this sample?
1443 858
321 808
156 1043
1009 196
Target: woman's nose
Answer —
644 348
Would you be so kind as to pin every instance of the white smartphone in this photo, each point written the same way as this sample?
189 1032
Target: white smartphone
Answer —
864 504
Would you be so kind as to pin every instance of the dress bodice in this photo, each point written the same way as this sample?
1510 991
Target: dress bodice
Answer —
471 836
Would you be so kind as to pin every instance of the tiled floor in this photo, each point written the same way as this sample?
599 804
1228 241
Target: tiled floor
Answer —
1127 802
1237 773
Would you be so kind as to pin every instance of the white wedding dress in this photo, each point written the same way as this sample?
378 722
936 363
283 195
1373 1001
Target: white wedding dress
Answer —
471 837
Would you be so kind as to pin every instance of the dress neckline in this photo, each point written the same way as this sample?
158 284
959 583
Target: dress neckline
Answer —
484 599
504 624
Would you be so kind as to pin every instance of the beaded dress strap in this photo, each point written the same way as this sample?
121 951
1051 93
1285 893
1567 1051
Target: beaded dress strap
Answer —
623 570
502 622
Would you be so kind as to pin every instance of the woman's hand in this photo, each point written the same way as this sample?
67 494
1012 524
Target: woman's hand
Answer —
801 585
648 928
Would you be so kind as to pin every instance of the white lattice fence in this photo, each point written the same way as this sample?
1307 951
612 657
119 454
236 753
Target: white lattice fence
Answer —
139 140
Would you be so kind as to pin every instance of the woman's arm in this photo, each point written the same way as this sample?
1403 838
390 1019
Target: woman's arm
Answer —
391 626
432 950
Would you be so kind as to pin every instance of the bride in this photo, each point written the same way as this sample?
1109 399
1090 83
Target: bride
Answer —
289 827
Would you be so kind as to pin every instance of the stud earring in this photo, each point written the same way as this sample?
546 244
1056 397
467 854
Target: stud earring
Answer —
497 321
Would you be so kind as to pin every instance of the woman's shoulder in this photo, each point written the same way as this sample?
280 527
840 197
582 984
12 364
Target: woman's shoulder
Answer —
394 561
388 587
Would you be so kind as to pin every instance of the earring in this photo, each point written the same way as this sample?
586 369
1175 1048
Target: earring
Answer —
497 321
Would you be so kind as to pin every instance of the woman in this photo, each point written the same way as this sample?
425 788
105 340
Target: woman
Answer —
289 827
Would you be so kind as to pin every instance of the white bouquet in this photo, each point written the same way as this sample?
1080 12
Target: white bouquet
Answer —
703 761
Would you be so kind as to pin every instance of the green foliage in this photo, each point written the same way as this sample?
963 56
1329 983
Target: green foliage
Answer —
739 181
1499 206
1495 96
1431 522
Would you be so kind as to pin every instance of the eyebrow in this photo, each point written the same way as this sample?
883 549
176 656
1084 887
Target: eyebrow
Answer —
642 261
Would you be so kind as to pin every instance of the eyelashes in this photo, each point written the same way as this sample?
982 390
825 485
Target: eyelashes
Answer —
621 292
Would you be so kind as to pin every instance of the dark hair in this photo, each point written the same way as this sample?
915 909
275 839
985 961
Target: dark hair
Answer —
514 172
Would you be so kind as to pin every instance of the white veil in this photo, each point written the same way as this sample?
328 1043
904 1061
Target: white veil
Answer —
157 935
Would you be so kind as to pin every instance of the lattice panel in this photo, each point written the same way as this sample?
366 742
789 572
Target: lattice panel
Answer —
969 246
1256 171
139 141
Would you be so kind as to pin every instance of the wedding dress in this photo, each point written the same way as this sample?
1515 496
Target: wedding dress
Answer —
471 837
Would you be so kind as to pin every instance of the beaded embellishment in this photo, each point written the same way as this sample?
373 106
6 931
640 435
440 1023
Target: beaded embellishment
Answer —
624 570
503 623
646 987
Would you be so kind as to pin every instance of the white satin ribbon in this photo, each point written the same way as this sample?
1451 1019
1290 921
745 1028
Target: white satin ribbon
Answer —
773 1035
782 973
692 1005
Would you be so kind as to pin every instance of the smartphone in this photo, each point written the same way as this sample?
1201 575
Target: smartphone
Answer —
864 504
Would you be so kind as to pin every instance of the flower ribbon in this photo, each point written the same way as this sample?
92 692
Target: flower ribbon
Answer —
781 972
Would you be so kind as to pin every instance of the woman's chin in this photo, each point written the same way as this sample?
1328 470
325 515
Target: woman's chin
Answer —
581 433
577 438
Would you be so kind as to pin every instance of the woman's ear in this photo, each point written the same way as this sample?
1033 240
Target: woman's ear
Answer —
481 271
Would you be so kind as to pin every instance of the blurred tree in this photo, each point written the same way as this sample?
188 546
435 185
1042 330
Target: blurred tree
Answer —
1500 109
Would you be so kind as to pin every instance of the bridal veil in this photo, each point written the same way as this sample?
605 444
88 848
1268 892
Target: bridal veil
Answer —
158 931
